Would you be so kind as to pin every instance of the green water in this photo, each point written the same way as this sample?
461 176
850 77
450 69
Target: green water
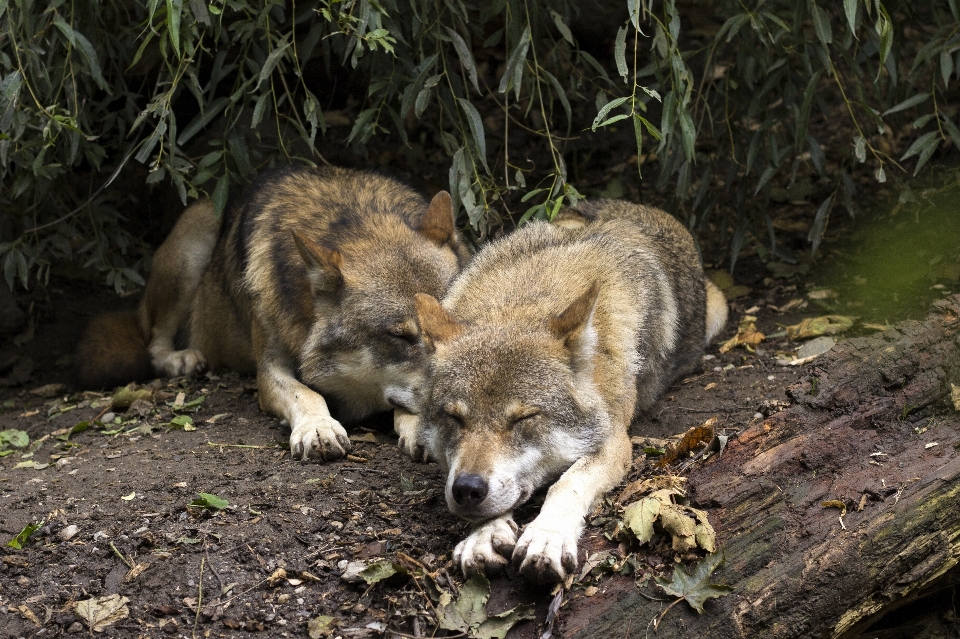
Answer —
899 259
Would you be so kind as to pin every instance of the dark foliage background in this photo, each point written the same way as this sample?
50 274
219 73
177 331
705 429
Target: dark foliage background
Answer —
512 105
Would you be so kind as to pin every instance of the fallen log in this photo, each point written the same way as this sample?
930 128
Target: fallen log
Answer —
873 432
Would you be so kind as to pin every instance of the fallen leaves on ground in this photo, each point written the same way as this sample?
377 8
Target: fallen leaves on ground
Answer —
747 335
695 588
125 396
823 325
21 539
322 626
468 613
693 439
688 527
208 502
100 613
11 439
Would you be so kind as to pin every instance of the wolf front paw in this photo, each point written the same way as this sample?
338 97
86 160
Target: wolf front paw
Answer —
409 428
488 548
180 363
545 553
319 438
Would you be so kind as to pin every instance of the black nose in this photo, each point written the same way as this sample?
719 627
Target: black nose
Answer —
469 490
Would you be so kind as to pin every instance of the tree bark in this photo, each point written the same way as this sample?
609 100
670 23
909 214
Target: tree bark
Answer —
872 426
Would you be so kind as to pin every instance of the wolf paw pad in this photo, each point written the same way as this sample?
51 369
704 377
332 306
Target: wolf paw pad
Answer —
544 554
488 548
319 439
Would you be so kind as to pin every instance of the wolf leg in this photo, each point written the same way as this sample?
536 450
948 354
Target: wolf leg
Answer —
410 429
314 433
487 549
547 550
178 267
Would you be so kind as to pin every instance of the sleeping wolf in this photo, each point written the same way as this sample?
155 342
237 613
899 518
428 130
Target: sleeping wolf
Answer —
543 350
310 283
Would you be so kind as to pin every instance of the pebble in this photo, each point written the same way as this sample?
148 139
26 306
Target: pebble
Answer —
284 598
75 627
68 532
23 582
108 417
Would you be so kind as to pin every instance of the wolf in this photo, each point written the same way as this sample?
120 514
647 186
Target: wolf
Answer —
543 350
310 283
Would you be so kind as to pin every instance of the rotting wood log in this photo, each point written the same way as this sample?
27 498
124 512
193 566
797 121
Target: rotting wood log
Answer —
872 426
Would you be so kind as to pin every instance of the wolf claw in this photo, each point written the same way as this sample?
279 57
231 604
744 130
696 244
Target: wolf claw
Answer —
326 440
545 554
488 548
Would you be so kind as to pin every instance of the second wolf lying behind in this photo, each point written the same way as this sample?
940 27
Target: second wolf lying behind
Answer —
544 349
309 282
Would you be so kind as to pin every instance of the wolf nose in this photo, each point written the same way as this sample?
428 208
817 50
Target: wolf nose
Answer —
469 490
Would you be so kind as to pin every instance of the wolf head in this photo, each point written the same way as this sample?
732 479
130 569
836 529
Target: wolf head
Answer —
509 407
364 351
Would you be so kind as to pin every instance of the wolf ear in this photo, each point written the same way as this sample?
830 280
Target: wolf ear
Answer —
574 326
323 264
437 223
436 324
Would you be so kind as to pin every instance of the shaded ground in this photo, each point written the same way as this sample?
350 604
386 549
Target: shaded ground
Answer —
125 486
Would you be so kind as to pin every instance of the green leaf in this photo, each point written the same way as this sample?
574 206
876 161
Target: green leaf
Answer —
18 542
820 223
906 104
322 626
173 23
380 570
562 27
271 62
946 67
609 106
209 502
14 437
695 588
201 120
821 23
620 52
183 421
476 129
466 57
850 8
513 71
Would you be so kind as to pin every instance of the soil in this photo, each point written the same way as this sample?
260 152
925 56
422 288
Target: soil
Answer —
126 485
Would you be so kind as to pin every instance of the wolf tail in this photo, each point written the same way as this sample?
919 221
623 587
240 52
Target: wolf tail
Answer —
716 310
112 352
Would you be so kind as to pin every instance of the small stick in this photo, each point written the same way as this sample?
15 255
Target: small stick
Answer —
196 617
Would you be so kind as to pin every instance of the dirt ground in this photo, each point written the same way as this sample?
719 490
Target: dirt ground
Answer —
114 499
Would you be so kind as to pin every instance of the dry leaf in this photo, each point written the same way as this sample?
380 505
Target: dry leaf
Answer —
747 335
692 439
823 325
100 613
135 572
27 614
955 396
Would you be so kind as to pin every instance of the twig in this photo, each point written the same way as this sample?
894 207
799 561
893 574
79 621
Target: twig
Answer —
196 617
403 634
214 570
243 445
120 555
659 618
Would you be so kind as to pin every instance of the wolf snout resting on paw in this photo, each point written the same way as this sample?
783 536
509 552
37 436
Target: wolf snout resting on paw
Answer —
542 351
309 282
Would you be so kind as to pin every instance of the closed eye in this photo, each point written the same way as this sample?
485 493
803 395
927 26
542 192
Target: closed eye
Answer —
409 338
525 416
